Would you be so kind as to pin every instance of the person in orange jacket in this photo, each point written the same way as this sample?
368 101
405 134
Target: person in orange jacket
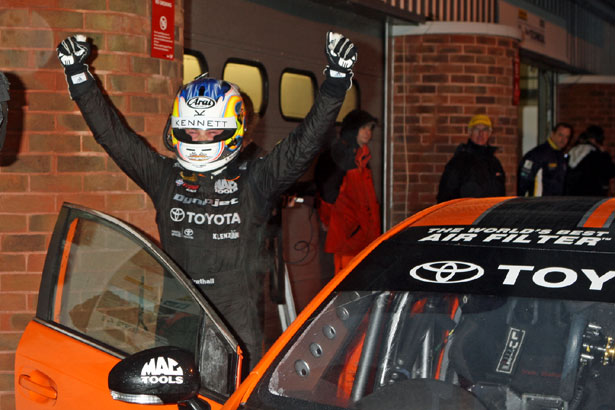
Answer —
347 202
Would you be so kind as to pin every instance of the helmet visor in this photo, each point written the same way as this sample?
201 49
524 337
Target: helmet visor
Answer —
228 125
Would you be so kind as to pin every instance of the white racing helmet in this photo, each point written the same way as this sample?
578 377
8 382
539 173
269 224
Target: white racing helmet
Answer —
206 104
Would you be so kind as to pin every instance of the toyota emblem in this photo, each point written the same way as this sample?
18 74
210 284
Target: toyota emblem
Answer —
177 214
447 272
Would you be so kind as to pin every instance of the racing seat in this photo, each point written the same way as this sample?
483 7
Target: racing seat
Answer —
521 355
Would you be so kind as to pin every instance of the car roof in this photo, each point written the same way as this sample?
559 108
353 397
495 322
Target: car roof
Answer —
558 247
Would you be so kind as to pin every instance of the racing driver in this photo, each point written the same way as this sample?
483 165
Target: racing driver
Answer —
211 208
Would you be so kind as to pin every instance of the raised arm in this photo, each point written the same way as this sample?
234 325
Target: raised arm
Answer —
129 151
292 156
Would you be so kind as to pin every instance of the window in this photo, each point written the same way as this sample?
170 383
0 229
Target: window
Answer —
251 79
194 65
297 93
115 292
351 101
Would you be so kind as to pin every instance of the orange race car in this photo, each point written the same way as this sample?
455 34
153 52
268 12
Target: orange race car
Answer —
497 303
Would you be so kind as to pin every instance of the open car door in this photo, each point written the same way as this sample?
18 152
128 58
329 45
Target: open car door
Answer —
108 292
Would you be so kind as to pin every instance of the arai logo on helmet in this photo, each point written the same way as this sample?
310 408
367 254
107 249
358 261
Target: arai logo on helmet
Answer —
201 102
447 272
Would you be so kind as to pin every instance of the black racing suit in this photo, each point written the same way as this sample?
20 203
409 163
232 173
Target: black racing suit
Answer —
213 225
542 171
473 172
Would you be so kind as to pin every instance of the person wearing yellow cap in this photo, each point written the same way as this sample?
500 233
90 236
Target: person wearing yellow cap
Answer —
474 171
542 171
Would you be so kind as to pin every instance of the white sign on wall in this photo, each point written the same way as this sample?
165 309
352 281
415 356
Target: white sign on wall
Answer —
538 35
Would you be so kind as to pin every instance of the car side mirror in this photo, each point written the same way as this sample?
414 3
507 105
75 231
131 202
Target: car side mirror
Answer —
161 375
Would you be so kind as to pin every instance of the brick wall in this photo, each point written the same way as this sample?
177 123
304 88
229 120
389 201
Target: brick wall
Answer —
439 82
50 156
583 100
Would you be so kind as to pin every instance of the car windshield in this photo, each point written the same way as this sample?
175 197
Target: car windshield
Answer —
459 318
426 350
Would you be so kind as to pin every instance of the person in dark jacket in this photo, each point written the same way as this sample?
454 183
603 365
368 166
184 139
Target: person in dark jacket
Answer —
590 167
211 208
542 171
347 205
474 171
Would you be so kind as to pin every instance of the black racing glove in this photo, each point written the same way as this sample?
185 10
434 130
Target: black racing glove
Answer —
73 52
341 56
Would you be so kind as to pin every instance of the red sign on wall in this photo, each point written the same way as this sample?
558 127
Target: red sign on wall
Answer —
163 29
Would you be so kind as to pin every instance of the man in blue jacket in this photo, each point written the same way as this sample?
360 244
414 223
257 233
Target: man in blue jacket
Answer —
542 171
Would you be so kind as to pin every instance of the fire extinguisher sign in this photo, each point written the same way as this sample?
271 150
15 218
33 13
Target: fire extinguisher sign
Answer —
163 29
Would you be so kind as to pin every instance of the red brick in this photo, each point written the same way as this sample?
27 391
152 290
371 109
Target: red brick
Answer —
89 144
139 104
19 283
464 39
463 58
19 321
112 62
462 78
145 65
14 17
74 163
42 222
158 85
13 223
7 361
474 49
34 80
30 203
56 183
121 202
12 263
95 201
125 83
57 19
105 182
23 243
35 262
136 123
40 101
13 183
6 382
12 302
81 4
27 38
13 59
71 122
39 121
133 7
54 143
435 78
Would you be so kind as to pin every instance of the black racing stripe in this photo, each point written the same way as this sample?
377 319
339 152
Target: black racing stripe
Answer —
609 221
541 212
488 211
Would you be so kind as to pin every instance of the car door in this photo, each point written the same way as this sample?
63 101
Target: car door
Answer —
107 292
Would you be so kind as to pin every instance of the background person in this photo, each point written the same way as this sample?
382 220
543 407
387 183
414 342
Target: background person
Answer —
347 205
542 171
590 167
474 171
211 208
